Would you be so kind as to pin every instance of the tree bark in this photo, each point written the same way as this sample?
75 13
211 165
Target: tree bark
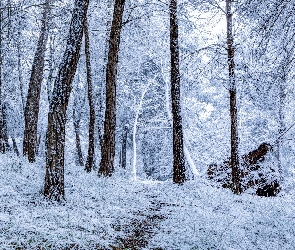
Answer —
77 133
2 135
38 144
51 69
233 101
282 126
186 151
14 145
178 153
5 128
90 157
124 147
55 137
103 72
108 149
33 98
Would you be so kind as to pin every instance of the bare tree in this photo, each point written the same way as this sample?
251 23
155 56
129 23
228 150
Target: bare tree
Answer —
233 100
89 161
33 98
55 137
101 95
2 135
178 153
76 121
108 148
124 146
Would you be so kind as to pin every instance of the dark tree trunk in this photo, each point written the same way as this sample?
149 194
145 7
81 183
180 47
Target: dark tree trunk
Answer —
90 157
51 69
2 134
38 144
178 154
77 133
233 101
33 98
55 137
124 147
14 145
101 95
108 149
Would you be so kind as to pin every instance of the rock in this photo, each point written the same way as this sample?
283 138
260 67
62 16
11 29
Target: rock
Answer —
253 172
268 190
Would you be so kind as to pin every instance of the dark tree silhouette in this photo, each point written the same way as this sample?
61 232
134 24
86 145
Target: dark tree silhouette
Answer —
106 167
233 100
33 98
89 161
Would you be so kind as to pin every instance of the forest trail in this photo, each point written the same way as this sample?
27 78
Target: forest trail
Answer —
142 227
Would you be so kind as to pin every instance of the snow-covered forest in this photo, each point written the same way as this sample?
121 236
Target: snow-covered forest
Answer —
147 124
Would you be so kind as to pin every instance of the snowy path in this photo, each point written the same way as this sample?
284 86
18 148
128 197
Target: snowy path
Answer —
142 227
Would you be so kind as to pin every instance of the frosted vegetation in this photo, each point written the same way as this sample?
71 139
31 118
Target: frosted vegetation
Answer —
98 213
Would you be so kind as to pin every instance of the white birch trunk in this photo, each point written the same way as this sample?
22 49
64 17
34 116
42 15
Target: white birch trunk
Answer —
137 112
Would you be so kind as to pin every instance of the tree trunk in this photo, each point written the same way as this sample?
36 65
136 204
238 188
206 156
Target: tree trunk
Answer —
2 136
76 119
137 113
38 144
33 98
108 149
233 101
186 151
282 126
124 147
103 72
90 157
14 145
55 137
78 141
5 129
79 99
178 154
51 69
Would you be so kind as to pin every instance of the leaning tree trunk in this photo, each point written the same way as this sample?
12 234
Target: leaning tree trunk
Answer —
2 134
178 153
33 98
233 101
106 167
90 157
55 137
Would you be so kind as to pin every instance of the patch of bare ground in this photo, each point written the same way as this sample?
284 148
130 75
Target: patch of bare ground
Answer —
141 229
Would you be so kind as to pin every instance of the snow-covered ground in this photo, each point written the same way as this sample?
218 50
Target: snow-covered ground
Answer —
96 211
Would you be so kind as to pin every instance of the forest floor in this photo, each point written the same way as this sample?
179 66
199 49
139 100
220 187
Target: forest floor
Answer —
118 213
